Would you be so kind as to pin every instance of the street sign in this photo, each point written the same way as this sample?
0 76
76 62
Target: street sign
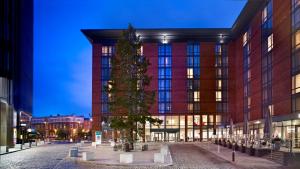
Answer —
98 135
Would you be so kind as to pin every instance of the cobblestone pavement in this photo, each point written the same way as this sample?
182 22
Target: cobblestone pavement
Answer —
46 157
55 157
191 156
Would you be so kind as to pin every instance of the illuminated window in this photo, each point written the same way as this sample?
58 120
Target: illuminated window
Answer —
249 102
196 96
296 3
218 96
249 74
218 119
270 42
204 119
190 72
296 84
265 14
190 107
219 72
141 51
271 109
297 39
245 38
219 84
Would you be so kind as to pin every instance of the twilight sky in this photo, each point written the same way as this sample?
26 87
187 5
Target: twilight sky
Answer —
62 55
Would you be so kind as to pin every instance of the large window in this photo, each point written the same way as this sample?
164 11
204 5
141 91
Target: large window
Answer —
193 76
295 36
196 96
296 84
247 72
164 78
106 55
221 66
270 42
267 54
218 96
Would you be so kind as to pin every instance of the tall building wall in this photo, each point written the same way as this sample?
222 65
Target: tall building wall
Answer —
16 66
282 57
260 49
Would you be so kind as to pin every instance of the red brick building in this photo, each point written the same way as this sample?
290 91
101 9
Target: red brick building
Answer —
48 126
206 78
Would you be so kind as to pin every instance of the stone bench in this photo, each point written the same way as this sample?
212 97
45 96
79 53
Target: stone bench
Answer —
41 143
34 143
164 156
18 146
164 150
27 145
159 158
75 148
94 144
3 149
87 156
73 153
79 144
13 149
126 158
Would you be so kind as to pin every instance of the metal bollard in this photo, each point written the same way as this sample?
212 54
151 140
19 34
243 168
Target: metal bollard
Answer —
233 155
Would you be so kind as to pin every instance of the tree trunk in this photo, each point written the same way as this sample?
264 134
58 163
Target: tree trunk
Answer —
144 133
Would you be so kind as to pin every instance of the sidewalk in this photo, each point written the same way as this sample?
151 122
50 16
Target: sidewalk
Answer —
242 160
12 150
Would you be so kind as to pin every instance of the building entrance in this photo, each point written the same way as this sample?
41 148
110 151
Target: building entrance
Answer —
297 136
158 136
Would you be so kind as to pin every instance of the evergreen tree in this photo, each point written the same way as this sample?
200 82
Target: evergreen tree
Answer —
128 89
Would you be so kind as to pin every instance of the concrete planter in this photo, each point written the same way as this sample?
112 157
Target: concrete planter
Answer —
126 158
3 149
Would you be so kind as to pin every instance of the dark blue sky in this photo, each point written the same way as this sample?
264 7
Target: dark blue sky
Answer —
62 65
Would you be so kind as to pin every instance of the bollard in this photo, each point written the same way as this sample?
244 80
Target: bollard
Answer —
233 155
218 148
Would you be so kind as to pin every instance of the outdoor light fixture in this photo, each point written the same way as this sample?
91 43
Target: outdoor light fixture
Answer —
165 40
221 38
257 122
299 116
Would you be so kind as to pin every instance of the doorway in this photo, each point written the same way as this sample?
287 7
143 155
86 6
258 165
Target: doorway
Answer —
297 136
158 136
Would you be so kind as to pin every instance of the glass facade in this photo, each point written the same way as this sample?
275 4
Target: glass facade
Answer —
221 65
193 77
107 53
267 59
246 78
164 78
295 56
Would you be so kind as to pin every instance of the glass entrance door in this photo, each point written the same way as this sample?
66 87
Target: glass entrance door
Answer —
158 136
172 137
297 136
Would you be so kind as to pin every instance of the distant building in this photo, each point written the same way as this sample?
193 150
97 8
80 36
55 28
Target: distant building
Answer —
16 67
47 127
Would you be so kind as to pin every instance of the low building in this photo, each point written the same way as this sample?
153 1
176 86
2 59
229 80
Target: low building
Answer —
62 127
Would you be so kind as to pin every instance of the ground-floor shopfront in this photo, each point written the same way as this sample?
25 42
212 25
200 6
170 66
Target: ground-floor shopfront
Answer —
175 128
183 128
286 128
7 124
